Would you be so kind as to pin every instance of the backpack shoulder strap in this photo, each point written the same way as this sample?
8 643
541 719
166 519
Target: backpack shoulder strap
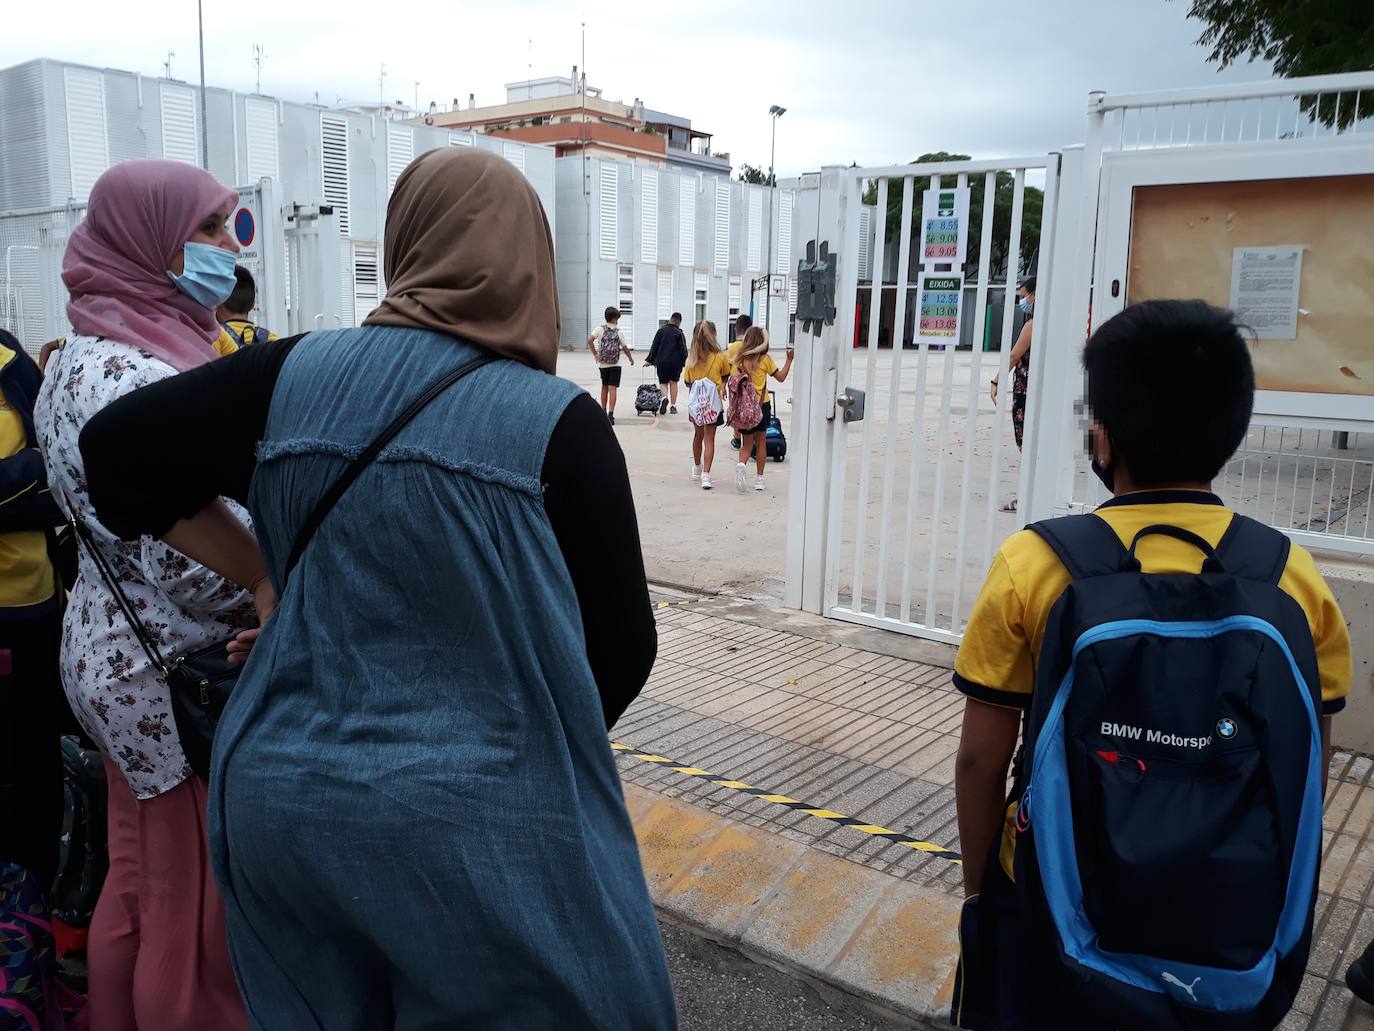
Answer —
1251 550
1085 544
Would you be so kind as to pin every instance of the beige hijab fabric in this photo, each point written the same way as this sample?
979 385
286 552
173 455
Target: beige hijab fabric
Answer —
469 253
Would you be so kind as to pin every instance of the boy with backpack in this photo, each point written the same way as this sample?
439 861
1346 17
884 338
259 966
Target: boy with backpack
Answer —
235 315
607 345
1172 669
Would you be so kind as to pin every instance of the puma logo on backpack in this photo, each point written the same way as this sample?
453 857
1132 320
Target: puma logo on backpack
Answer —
745 410
608 348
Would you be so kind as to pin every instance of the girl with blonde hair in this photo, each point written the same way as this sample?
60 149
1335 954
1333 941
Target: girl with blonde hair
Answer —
756 365
706 372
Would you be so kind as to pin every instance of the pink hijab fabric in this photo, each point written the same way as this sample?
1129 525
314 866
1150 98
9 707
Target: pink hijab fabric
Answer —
139 216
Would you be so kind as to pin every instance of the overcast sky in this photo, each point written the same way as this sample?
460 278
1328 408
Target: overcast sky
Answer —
876 82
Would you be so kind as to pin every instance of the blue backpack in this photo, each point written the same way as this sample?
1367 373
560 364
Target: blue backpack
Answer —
1170 785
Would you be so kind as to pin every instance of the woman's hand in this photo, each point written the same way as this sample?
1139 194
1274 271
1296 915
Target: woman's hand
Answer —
265 601
242 645
994 390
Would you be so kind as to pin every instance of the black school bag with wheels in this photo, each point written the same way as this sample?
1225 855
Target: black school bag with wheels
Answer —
1169 827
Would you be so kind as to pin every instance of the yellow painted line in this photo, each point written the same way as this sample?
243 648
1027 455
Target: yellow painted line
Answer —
829 815
682 604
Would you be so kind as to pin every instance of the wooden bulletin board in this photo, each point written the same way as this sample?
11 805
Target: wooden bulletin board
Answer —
1183 238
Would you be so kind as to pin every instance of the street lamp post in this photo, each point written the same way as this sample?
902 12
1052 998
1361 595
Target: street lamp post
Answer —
204 129
776 112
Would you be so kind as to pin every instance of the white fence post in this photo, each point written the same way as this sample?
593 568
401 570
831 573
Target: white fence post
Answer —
817 429
271 289
1047 469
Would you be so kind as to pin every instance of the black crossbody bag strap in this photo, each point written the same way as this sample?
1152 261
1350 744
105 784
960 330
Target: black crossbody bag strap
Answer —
360 463
121 599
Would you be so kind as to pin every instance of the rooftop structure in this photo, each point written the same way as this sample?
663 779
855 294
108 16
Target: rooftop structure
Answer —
573 117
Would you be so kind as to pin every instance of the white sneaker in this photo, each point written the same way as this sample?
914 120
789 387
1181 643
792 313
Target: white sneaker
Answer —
696 474
705 481
758 483
740 474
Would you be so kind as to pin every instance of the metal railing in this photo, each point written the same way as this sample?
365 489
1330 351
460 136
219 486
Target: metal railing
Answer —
1315 485
32 299
1318 107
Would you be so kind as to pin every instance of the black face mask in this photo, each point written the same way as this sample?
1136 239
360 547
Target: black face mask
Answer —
1104 473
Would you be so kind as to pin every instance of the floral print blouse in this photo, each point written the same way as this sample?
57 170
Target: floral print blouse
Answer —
114 690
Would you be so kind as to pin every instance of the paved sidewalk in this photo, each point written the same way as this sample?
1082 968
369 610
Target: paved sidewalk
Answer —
842 741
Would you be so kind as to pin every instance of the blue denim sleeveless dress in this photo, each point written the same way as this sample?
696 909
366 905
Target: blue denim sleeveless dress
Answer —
415 816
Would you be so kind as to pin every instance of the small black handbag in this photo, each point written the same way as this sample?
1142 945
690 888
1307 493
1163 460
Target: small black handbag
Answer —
201 679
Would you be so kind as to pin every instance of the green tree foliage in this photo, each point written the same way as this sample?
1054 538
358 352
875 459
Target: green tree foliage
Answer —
1003 195
1299 37
758 176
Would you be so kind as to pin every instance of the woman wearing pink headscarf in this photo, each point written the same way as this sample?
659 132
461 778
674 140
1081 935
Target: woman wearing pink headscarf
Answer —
145 270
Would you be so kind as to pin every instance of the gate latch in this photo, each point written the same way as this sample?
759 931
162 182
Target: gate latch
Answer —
851 402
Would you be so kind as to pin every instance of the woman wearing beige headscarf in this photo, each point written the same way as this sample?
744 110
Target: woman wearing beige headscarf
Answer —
415 814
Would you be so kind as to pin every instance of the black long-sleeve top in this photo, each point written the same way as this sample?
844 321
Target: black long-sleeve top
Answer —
207 424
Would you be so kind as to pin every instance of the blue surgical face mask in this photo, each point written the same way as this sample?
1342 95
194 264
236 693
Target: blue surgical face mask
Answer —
208 275
1026 305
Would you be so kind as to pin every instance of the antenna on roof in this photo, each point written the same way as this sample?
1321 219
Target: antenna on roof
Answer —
381 86
259 56
167 64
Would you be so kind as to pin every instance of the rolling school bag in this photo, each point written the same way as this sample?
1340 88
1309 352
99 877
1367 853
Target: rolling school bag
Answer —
648 398
775 442
1169 824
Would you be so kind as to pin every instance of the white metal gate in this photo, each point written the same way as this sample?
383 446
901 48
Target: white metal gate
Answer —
1307 465
894 519
915 487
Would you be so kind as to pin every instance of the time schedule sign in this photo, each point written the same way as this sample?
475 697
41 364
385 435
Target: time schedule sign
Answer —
939 299
944 226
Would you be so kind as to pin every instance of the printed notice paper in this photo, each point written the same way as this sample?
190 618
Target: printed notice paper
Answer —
944 226
1264 290
939 298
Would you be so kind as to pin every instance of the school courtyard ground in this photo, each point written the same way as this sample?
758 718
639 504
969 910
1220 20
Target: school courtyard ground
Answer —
791 777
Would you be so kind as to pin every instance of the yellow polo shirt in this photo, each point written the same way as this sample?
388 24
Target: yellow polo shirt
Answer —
996 661
226 344
716 369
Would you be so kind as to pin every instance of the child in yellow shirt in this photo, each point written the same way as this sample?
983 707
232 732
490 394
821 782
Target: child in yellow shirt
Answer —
754 362
705 363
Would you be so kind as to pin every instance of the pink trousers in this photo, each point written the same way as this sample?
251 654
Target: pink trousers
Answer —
158 953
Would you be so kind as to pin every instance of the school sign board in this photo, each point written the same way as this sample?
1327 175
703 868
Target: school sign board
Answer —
939 297
944 226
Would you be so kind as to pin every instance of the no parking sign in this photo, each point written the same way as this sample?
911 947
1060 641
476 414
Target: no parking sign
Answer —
245 225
